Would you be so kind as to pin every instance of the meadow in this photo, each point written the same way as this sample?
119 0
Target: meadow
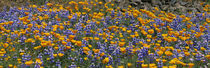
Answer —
95 34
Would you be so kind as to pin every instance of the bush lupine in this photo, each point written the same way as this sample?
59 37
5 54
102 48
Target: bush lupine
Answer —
100 35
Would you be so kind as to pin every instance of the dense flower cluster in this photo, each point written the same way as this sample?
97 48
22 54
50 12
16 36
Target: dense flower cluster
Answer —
100 35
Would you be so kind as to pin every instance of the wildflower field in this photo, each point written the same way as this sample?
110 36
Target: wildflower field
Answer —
95 34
